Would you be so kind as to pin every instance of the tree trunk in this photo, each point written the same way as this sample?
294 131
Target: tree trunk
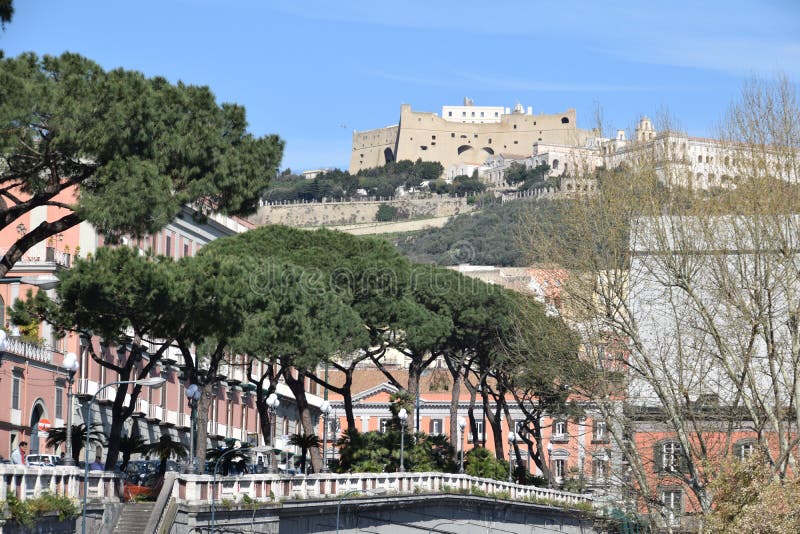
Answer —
201 420
297 386
347 398
458 441
414 373
494 422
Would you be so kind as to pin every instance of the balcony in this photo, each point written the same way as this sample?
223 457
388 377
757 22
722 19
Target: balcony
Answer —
39 353
87 387
141 408
171 418
155 413
107 395
59 258
185 420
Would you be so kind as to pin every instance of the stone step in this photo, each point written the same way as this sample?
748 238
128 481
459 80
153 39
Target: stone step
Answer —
134 517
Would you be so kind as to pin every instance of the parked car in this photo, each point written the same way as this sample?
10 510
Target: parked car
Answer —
40 460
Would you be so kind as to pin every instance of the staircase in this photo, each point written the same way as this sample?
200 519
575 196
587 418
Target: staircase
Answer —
134 517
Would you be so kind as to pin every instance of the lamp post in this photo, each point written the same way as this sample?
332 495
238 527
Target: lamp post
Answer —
550 465
462 425
512 437
149 382
214 484
326 410
272 407
193 393
70 365
403 416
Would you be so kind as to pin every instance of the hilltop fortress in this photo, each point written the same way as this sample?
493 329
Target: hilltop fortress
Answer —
463 135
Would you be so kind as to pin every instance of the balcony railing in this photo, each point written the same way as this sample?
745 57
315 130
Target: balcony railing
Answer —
155 413
87 387
171 418
141 407
39 353
185 420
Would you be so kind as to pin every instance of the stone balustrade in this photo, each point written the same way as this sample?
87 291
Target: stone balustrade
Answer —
31 482
198 489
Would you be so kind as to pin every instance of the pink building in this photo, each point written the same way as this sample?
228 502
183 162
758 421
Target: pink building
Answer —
36 385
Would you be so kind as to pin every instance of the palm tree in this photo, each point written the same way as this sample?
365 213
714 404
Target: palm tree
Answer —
164 448
129 445
305 442
231 456
57 436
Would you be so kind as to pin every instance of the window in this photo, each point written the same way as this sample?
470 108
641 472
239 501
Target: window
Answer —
600 466
168 246
481 113
59 402
672 500
670 457
449 113
744 449
15 392
463 113
564 120
473 113
332 427
560 431
560 468
555 164
185 249
385 424
436 427
479 428
599 431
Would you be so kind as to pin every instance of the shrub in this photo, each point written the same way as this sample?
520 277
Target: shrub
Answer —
386 213
480 462
25 513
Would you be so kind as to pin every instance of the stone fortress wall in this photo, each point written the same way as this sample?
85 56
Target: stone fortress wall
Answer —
311 214
463 135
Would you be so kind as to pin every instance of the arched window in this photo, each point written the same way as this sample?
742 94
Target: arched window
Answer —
743 449
699 159
564 120
463 148
36 415
555 164
388 155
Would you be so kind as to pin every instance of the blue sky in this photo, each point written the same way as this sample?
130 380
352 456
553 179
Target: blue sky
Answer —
312 71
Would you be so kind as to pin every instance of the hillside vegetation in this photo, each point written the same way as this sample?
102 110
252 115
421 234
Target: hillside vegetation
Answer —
487 237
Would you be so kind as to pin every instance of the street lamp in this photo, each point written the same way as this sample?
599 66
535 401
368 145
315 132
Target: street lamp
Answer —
512 437
148 382
272 406
403 416
462 424
193 393
326 410
214 484
550 465
70 365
